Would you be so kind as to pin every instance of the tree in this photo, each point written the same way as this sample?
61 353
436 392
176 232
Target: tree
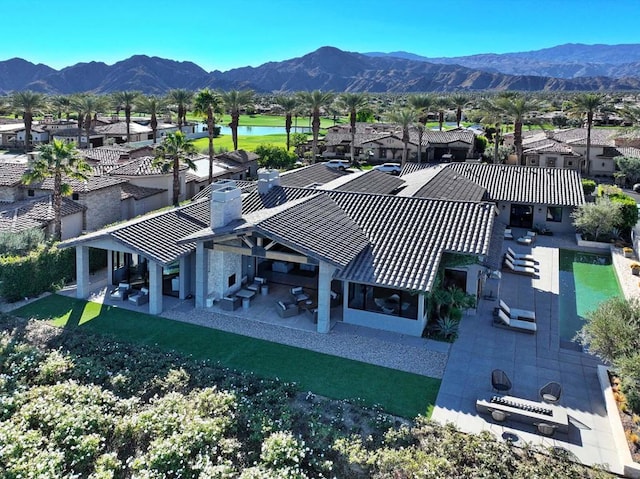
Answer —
441 104
314 102
587 104
515 107
422 104
88 105
299 139
351 103
275 157
58 160
61 104
180 99
629 167
153 106
28 102
289 105
125 100
405 118
599 218
209 104
459 101
174 150
235 101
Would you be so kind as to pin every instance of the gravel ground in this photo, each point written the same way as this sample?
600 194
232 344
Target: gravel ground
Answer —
410 356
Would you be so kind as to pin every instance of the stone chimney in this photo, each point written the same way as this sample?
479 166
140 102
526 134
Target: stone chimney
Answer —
226 203
267 179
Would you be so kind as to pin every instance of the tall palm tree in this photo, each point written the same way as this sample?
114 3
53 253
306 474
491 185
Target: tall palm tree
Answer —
28 102
315 101
152 105
180 99
61 104
459 101
515 107
209 104
176 148
89 106
441 104
235 101
58 160
589 104
405 118
125 100
289 105
351 103
421 103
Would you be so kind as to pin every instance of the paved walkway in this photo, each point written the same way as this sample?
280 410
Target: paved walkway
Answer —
530 361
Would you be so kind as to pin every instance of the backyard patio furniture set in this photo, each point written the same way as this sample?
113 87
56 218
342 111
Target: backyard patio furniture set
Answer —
124 292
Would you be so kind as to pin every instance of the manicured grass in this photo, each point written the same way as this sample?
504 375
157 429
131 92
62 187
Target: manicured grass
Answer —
245 142
270 120
398 392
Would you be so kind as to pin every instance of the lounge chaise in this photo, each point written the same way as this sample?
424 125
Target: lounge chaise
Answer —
528 270
508 234
514 313
141 297
504 321
520 262
527 257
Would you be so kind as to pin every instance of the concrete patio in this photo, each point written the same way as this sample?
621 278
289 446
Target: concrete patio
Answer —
530 361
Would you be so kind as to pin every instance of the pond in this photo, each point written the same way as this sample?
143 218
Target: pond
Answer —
586 279
262 130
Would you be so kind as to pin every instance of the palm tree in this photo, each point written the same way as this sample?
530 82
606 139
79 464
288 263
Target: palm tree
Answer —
61 104
405 118
180 99
125 100
315 101
422 104
88 106
587 103
515 107
441 103
28 102
209 104
289 105
57 159
352 102
459 101
235 101
152 105
174 149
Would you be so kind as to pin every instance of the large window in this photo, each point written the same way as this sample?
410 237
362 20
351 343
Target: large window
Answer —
521 216
381 300
554 213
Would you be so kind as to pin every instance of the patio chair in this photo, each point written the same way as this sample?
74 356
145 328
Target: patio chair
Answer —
520 262
528 238
121 293
257 284
551 392
500 381
230 303
528 270
141 297
514 313
287 310
504 321
508 234
298 294
524 256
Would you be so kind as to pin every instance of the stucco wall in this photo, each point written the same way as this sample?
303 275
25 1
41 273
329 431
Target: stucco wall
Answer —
540 218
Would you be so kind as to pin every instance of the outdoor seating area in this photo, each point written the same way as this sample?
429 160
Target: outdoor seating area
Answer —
287 310
521 314
521 256
121 293
518 269
501 320
139 298
528 238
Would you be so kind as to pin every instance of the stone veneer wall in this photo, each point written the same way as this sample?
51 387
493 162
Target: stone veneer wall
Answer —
103 207
221 266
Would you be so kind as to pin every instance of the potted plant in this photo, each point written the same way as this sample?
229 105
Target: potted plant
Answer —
635 268
628 252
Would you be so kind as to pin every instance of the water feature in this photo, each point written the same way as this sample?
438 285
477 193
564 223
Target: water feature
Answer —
586 279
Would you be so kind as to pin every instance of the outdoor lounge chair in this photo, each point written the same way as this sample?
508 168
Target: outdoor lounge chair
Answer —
504 321
508 235
514 313
520 262
287 310
528 270
141 297
551 392
527 257
527 238
500 382
257 284
298 294
121 293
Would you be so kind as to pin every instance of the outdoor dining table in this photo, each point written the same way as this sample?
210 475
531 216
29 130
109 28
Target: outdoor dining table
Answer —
245 293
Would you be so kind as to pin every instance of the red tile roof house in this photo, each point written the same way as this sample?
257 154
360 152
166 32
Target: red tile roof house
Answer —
369 247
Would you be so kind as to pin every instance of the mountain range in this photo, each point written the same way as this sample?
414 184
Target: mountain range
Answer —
566 67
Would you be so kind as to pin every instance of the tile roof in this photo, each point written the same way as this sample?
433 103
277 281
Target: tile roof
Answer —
444 136
33 213
629 151
578 136
371 181
105 155
449 184
410 167
138 192
317 173
244 185
92 183
525 184
120 128
11 173
238 156
141 167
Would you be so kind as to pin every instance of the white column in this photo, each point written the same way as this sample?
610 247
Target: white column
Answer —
155 288
109 268
324 297
82 272
201 275
185 272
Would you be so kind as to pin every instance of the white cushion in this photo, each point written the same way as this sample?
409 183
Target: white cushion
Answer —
123 285
296 290
144 290
282 305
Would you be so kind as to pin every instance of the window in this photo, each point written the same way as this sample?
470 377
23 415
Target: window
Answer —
554 213
569 163
75 196
551 161
386 301
30 193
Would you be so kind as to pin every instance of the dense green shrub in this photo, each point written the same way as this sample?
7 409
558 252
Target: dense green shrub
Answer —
628 210
275 157
21 242
588 186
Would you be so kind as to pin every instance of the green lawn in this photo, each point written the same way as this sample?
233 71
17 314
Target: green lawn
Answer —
269 120
245 142
399 393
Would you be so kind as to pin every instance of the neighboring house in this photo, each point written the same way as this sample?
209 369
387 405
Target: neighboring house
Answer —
38 213
69 135
39 136
543 150
138 200
11 187
9 132
117 132
233 165
602 151
380 252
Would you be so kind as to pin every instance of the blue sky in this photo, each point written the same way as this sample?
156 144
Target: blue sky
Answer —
224 34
